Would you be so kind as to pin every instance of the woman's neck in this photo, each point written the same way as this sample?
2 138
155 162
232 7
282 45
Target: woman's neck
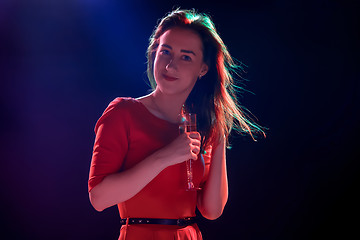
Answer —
168 106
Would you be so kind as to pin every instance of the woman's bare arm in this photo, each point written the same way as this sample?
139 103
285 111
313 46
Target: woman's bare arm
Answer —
119 187
213 197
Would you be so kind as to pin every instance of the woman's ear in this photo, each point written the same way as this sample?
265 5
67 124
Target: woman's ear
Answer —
204 70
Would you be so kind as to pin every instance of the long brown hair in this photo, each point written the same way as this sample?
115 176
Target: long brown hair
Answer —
213 97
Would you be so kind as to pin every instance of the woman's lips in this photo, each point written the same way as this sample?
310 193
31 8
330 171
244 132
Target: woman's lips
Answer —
168 78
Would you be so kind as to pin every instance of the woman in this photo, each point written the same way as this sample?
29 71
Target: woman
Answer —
139 155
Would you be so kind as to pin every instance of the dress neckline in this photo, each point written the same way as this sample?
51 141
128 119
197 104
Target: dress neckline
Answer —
154 116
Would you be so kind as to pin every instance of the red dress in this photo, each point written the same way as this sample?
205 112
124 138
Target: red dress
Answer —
126 134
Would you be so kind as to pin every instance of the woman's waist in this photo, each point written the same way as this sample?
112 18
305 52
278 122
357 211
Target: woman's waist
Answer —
157 203
157 213
180 222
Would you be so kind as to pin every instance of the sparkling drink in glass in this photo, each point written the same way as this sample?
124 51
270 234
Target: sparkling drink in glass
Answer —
188 124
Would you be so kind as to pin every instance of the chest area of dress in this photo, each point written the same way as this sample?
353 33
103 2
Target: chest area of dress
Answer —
145 139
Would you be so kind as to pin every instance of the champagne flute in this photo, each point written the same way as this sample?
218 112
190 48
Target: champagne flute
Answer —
188 124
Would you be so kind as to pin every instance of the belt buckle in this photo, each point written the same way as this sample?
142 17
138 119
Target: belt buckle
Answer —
182 222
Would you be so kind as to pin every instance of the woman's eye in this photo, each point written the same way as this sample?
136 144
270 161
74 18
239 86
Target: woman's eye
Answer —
164 52
186 58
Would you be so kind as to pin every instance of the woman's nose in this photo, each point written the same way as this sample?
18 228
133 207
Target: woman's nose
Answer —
171 65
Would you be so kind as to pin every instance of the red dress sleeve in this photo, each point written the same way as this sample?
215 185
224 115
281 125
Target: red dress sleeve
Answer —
111 142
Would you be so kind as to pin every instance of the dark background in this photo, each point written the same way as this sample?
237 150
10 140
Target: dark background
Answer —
62 62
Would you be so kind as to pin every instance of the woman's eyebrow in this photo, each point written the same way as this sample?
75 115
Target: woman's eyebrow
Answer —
182 50
187 51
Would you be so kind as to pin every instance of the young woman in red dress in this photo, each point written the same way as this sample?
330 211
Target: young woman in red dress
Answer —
139 155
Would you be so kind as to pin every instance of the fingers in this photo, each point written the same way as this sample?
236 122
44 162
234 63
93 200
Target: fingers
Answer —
195 139
194 135
192 145
195 149
194 152
193 156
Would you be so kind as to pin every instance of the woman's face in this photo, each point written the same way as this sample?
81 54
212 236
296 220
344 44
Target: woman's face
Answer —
178 61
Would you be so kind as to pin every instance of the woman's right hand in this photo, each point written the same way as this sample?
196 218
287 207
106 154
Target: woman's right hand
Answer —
184 147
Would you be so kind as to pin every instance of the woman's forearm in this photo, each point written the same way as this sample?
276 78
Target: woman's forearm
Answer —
213 197
119 187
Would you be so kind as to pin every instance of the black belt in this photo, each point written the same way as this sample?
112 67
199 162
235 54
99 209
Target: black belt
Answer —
179 222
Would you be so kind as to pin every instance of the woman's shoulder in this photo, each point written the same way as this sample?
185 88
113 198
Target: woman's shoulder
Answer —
123 103
118 110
